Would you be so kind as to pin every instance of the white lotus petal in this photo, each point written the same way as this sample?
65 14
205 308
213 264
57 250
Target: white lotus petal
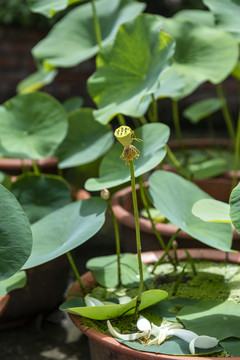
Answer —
130 337
124 299
183 334
203 342
91 301
155 330
143 324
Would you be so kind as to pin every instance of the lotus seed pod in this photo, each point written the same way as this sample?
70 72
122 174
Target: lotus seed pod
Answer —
124 135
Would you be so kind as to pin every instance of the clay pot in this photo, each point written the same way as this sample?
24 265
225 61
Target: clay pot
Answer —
14 166
4 300
104 347
123 209
218 187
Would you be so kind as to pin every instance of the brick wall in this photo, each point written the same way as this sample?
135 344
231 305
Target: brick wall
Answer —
16 63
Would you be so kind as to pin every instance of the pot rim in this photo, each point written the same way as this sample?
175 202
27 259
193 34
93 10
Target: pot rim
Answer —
126 218
148 257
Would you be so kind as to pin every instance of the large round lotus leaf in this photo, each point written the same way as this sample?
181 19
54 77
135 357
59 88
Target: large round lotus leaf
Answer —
113 170
235 207
41 194
203 17
65 229
16 281
212 318
174 197
73 40
129 69
212 210
15 235
202 53
227 15
49 7
32 125
85 142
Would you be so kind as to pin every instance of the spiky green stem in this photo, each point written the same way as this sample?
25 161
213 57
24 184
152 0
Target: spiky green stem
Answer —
176 123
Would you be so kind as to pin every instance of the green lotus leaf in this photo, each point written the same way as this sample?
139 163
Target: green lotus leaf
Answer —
235 207
129 69
202 109
212 210
32 125
212 318
172 346
72 40
202 53
227 14
203 17
172 83
16 281
73 103
105 270
231 345
15 235
36 81
175 196
39 195
106 312
65 229
86 140
113 170
49 8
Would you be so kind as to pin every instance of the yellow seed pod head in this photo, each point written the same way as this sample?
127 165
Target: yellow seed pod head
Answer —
124 135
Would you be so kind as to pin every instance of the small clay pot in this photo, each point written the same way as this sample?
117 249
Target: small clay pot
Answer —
104 347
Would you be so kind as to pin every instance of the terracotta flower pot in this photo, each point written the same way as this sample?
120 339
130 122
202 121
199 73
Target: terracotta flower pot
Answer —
14 166
4 300
218 187
103 346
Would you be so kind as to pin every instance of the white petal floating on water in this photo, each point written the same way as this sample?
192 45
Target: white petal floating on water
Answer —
130 336
143 324
91 301
203 342
183 334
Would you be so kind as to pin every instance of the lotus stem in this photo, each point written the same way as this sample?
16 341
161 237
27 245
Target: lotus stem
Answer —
173 237
117 238
96 25
226 113
153 113
121 119
157 234
75 270
176 122
176 163
35 168
236 153
138 239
